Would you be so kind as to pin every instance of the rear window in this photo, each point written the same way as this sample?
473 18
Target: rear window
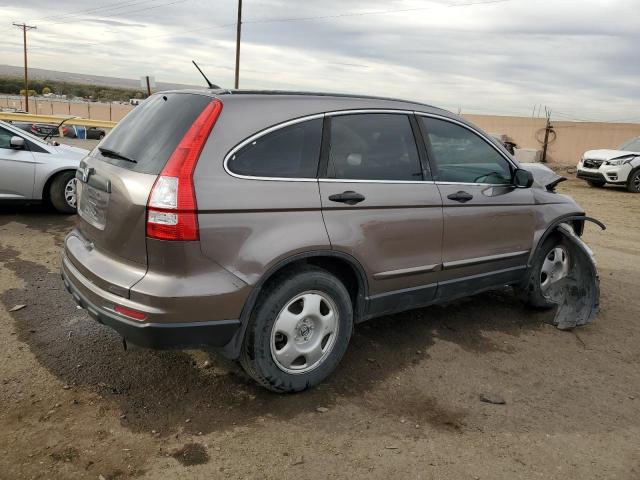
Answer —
151 131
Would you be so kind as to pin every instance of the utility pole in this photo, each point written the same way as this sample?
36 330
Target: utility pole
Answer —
547 130
24 28
238 30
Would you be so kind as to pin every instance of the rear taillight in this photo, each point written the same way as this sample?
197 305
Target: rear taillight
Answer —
172 208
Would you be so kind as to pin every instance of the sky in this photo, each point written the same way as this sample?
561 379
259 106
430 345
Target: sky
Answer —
580 58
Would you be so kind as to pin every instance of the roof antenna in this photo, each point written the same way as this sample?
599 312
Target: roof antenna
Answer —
211 85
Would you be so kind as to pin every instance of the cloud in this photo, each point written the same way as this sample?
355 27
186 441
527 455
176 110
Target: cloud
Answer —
576 57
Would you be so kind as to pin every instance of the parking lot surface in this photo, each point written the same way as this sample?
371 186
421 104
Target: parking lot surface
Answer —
418 395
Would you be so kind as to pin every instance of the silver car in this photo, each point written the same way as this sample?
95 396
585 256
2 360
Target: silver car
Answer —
33 170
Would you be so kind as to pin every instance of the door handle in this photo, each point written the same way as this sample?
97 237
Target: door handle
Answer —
349 197
460 196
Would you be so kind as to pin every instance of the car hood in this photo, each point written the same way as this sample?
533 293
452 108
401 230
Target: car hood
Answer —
543 176
607 154
71 152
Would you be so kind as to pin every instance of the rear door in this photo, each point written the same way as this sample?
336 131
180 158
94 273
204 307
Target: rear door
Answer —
488 223
17 167
114 183
380 207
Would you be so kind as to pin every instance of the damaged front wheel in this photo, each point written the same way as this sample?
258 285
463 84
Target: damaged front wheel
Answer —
552 264
563 275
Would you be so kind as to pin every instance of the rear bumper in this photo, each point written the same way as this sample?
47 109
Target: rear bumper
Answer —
146 334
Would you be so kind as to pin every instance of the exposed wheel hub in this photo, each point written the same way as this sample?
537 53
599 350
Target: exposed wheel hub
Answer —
304 330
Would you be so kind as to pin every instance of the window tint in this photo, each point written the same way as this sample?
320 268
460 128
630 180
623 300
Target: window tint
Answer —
151 131
5 138
462 156
373 146
288 152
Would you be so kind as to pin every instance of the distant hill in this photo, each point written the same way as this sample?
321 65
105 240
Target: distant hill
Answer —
42 74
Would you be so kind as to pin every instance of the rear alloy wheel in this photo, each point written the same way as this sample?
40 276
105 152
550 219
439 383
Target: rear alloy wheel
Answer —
62 192
633 184
299 330
304 332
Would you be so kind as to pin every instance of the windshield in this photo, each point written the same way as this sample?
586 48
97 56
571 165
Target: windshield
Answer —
632 145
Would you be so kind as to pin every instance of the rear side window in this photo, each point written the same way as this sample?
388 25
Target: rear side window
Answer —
151 131
374 146
289 152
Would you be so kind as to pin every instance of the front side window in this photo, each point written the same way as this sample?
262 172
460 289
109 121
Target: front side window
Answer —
460 155
289 152
5 138
373 146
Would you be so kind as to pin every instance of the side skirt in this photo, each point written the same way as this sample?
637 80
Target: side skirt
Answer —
408 299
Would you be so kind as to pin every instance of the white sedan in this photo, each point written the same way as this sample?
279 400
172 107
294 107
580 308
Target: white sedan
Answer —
618 167
34 170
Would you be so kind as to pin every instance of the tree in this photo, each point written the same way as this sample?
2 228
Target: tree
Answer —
46 90
32 93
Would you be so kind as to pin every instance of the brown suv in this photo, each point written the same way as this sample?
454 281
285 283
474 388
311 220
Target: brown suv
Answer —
269 223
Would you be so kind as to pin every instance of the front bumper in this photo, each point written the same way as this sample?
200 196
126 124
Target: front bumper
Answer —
145 334
591 176
614 174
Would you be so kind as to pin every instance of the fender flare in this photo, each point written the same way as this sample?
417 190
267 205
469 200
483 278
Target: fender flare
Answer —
232 349
555 224
44 193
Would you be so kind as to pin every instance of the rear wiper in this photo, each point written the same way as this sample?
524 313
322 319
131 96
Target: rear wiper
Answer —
112 153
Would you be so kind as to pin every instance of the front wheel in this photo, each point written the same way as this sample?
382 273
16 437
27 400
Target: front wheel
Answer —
551 264
62 192
633 184
299 330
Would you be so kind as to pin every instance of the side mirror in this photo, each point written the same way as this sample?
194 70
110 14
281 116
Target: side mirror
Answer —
17 142
522 178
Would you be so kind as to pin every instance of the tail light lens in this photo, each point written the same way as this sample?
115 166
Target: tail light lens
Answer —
172 208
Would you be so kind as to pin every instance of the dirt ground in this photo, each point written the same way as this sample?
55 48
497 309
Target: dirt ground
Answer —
405 402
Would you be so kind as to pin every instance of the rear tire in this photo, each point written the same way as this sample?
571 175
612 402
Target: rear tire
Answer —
633 184
595 183
62 192
299 330
551 263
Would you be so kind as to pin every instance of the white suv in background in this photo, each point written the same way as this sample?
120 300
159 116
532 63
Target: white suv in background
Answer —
618 167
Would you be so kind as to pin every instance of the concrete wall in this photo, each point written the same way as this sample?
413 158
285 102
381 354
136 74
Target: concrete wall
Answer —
94 110
572 138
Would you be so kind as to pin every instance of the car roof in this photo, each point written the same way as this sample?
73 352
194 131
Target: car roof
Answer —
347 98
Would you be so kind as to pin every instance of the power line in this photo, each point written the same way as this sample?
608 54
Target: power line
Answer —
89 10
125 12
379 12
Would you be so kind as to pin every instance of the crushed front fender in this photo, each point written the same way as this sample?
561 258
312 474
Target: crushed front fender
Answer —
578 294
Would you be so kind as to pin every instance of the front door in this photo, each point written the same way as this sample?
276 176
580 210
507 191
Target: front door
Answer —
17 167
488 223
380 207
